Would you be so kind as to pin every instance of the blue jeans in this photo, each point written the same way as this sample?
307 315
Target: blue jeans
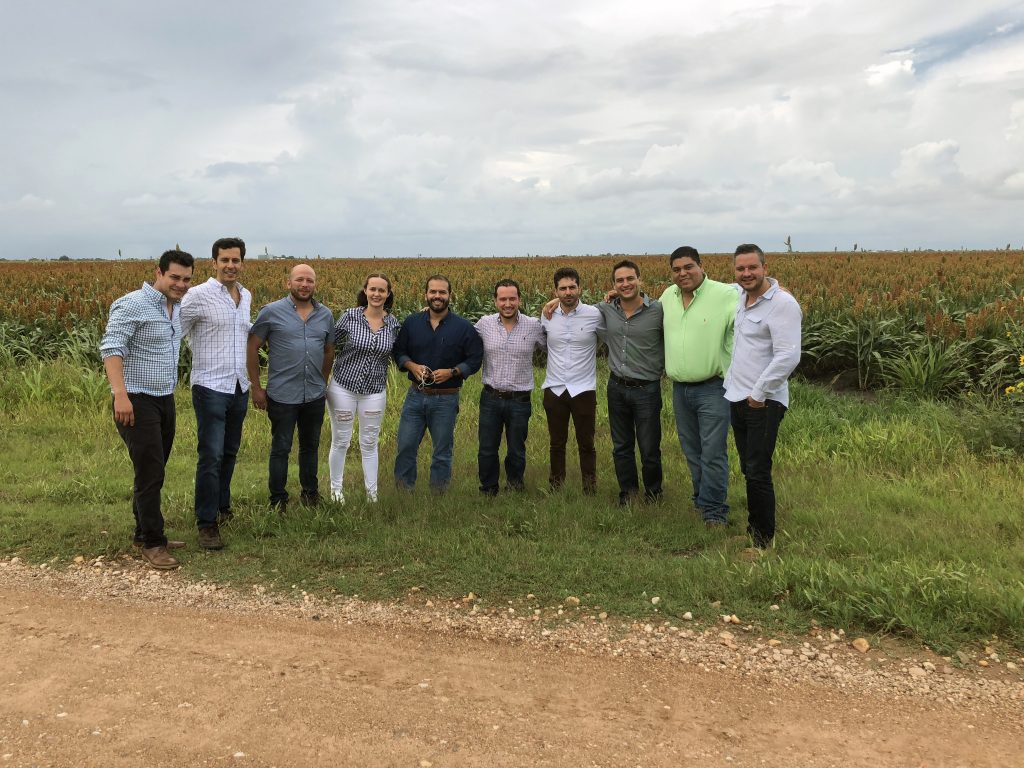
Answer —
756 430
422 413
702 421
634 415
219 418
284 418
497 414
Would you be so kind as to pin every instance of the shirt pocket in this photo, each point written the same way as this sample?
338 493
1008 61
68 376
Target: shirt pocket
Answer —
753 325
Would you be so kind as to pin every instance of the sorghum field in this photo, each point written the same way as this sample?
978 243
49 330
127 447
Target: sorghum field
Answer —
929 323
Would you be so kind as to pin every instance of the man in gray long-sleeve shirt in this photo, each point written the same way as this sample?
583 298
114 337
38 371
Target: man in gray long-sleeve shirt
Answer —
766 350
636 358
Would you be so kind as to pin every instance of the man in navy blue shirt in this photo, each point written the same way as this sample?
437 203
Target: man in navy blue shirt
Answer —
439 349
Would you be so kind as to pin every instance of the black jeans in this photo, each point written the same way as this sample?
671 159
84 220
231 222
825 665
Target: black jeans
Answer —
634 415
756 430
149 444
309 418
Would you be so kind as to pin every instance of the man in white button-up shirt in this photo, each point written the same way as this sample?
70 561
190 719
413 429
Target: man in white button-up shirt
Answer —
216 318
570 388
766 350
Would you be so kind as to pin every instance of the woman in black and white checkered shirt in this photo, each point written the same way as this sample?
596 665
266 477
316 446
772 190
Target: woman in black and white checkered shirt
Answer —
364 337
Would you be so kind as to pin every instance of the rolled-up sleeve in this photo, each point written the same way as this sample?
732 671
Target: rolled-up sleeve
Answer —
261 328
402 345
122 324
474 351
785 326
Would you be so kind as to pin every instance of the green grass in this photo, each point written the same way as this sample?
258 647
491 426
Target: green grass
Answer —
888 522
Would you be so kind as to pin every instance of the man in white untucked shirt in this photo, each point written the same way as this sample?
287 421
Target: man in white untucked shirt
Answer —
570 388
215 316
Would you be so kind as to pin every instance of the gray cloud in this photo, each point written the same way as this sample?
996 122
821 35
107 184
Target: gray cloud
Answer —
452 129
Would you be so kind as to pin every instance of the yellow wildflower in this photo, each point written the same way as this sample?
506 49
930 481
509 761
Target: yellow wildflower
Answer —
1011 390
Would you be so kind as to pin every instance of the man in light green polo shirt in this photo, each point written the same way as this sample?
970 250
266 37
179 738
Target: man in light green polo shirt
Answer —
698 315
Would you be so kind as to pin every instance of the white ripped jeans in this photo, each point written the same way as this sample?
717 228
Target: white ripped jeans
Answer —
344 407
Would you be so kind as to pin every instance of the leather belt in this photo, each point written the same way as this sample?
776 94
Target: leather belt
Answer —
437 391
631 383
503 394
699 383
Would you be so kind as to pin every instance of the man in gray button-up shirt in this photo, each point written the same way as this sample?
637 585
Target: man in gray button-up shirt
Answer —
636 359
299 334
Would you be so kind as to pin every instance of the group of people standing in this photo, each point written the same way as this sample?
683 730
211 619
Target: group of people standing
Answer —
728 350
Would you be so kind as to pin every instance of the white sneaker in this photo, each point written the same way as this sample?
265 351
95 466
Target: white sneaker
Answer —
338 497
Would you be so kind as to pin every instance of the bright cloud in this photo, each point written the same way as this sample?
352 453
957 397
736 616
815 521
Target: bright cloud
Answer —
454 128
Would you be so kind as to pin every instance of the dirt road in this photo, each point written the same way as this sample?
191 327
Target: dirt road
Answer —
134 679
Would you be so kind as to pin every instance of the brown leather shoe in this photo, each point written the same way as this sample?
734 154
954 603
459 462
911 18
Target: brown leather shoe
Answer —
209 538
170 544
159 558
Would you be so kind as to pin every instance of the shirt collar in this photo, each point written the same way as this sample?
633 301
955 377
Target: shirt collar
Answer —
497 317
223 288
770 293
153 295
617 302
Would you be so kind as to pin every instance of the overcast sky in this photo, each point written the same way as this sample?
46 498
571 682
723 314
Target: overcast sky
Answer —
464 128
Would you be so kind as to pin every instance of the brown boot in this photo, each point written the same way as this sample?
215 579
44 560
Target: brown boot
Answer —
209 538
159 558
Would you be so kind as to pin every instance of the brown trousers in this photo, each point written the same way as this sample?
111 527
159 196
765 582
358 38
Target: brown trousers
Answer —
583 410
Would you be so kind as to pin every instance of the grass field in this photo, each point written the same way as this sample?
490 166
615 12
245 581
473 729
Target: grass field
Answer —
891 519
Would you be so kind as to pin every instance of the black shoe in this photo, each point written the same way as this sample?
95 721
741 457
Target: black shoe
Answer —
280 507
491 491
225 516
310 499
209 538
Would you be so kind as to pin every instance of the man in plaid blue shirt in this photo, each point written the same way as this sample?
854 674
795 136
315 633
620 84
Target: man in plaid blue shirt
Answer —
140 355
